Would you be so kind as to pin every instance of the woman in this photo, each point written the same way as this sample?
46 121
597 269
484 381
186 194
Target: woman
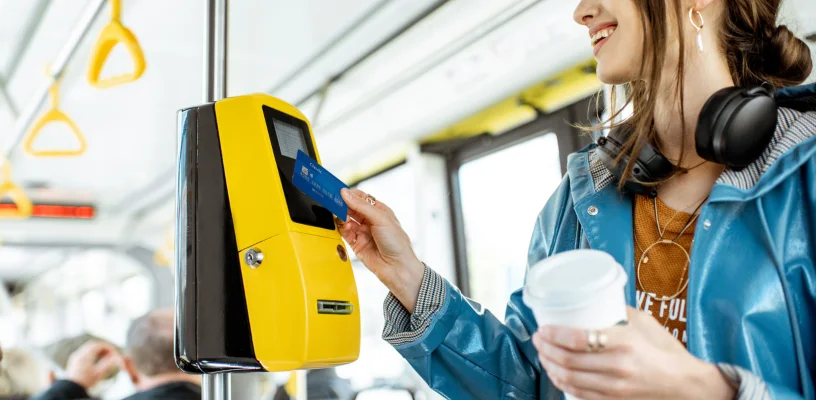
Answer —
735 317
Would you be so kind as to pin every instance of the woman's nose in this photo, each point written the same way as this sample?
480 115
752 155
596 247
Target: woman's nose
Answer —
586 11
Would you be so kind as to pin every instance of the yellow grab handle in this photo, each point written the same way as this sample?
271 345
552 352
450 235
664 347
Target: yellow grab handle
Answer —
21 201
160 259
112 34
291 385
164 254
23 205
54 115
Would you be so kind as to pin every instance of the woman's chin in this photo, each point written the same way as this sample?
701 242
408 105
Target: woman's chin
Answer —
613 75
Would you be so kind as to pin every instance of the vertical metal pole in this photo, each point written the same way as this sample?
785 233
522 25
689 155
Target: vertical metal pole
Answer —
215 51
215 386
302 390
208 386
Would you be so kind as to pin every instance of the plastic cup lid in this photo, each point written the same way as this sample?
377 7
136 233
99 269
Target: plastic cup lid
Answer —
570 278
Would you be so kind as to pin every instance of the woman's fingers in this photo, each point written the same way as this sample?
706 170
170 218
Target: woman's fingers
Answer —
575 360
378 204
582 383
355 217
359 206
573 339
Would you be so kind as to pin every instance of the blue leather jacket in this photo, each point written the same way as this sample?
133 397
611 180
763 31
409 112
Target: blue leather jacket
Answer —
751 294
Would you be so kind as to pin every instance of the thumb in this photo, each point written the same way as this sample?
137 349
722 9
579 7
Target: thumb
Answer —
358 204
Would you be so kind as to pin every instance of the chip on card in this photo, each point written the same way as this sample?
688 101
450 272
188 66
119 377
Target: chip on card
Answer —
320 185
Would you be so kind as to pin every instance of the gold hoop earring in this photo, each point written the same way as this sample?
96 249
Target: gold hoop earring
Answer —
698 28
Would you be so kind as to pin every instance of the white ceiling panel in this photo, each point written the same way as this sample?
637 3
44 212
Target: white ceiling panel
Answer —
430 42
14 16
269 43
487 69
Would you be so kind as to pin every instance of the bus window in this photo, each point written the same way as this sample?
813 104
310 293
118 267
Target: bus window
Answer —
502 194
378 361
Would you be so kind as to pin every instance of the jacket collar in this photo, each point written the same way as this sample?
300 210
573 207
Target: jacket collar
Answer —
795 130
793 144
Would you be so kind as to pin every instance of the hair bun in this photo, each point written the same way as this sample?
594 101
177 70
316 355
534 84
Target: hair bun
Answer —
788 60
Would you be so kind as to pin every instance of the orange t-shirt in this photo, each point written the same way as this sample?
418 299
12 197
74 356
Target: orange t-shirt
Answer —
665 269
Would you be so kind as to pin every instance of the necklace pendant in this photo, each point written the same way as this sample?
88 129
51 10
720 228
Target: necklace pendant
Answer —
645 259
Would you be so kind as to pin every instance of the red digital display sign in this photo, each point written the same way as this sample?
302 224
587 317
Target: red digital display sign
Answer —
56 211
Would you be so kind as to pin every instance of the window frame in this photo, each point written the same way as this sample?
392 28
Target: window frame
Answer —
458 152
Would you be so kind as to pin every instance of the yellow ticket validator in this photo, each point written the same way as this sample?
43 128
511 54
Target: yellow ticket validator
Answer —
263 280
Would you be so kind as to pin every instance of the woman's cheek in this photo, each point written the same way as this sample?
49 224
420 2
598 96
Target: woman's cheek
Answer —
620 58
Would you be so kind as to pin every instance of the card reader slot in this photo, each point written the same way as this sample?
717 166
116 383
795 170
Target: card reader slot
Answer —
334 307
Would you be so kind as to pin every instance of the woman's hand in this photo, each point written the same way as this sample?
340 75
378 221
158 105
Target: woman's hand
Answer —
382 245
640 360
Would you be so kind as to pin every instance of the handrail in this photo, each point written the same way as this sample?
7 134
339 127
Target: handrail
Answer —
112 34
54 115
24 207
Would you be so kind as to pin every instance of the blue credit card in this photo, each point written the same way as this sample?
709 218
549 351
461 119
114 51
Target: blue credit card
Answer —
323 187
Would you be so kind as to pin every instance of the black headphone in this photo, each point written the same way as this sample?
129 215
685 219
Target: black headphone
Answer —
734 128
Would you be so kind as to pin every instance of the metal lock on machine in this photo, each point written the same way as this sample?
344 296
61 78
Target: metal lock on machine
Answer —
253 258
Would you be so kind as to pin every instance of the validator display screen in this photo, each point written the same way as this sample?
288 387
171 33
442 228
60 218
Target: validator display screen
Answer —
290 139
288 135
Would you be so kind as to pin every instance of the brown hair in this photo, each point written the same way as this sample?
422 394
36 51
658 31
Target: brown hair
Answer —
758 52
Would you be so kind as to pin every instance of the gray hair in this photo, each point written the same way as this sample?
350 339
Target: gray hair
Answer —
150 343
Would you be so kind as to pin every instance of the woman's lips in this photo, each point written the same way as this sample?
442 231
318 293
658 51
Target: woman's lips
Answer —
600 34
598 45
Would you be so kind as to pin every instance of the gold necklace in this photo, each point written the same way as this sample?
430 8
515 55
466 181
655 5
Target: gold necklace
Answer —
644 259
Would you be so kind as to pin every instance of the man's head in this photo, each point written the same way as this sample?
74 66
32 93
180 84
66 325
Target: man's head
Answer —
149 351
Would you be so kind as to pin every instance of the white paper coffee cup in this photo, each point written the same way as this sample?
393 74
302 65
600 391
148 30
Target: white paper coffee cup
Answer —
579 289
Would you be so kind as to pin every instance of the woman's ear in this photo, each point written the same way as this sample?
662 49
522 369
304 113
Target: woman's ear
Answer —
701 5
52 377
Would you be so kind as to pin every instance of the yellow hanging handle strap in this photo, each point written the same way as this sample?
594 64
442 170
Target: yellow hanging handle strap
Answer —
54 115
291 385
164 254
23 206
114 32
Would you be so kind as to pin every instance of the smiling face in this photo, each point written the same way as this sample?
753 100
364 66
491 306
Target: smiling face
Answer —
616 34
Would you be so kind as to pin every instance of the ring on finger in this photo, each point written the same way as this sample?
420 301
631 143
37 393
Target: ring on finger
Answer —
371 200
592 341
603 339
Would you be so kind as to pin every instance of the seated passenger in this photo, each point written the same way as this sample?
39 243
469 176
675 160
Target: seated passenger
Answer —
148 360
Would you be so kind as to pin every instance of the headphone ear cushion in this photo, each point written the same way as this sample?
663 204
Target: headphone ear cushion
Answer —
735 126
